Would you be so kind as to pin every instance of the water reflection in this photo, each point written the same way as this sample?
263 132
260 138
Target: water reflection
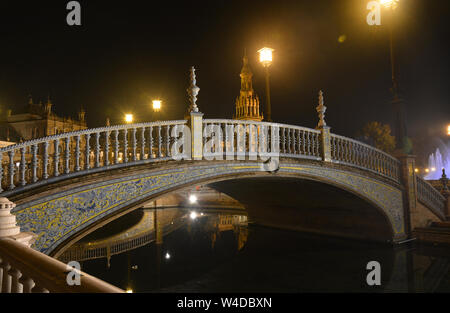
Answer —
178 250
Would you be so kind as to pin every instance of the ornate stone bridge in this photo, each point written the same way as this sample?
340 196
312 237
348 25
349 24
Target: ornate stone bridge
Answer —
68 185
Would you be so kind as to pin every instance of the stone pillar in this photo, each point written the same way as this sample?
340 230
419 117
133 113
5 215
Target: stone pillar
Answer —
8 227
446 193
408 179
197 135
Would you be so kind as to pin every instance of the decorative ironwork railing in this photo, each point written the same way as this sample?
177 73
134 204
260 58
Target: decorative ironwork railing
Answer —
354 153
239 138
72 154
430 196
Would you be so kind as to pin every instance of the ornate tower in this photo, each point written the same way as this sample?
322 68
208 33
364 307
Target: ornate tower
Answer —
247 104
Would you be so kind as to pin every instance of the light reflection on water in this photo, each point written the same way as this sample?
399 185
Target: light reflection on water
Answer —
217 251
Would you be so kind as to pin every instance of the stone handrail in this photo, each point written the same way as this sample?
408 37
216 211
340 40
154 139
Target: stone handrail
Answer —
48 159
430 197
38 162
354 153
24 270
275 139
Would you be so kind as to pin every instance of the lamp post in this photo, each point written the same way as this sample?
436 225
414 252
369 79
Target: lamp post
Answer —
265 57
400 130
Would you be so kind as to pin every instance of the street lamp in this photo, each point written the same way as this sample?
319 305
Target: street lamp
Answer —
156 105
129 118
448 130
265 57
400 129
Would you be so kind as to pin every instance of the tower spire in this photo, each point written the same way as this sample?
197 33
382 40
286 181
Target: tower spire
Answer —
247 104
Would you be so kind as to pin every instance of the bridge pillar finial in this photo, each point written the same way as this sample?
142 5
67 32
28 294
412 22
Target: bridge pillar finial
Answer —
325 138
193 91
321 108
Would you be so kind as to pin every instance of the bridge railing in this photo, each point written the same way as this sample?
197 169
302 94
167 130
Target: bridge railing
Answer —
74 153
25 270
354 153
239 138
430 197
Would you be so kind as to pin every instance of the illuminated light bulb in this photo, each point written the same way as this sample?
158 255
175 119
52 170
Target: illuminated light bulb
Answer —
265 56
416 170
167 256
129 118
129 290
193 198
193 215
433 169
156 105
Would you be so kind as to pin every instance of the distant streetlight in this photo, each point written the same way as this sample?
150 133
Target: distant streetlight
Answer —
129 118
448 130
265 57
156 105
193 215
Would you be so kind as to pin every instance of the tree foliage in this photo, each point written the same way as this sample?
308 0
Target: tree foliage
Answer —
378 135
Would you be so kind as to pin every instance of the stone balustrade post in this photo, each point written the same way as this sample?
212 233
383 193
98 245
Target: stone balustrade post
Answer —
9 278
408 180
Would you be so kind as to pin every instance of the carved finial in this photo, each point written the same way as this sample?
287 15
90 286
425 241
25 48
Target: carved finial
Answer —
321 111
108 123
193 92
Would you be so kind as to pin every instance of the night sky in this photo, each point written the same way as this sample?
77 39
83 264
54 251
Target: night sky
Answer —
129 52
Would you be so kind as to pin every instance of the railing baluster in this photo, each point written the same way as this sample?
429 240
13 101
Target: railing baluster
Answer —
27 283
150 142
106 156
159 142
125 146
142 143
116 146
167 141
87 164
23 166
45 161
56 158
77 153
11 170
133 144
97 149
34 163
67 156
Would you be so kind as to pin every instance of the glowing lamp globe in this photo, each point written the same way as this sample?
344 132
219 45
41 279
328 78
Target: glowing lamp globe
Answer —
265 56
129 118
156 105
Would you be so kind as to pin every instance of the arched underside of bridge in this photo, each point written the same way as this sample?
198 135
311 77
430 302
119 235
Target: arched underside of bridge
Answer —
59 213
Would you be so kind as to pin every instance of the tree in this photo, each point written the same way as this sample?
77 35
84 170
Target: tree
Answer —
378 135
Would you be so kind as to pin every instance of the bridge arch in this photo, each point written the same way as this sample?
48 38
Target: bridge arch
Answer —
73 207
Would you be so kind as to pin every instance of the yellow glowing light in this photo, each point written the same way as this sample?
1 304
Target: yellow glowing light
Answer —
265 56
129 290
448 130
427 170
129 118
156 105
416 170
389 3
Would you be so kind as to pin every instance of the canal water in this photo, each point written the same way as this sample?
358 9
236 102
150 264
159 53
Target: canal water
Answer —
178 250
